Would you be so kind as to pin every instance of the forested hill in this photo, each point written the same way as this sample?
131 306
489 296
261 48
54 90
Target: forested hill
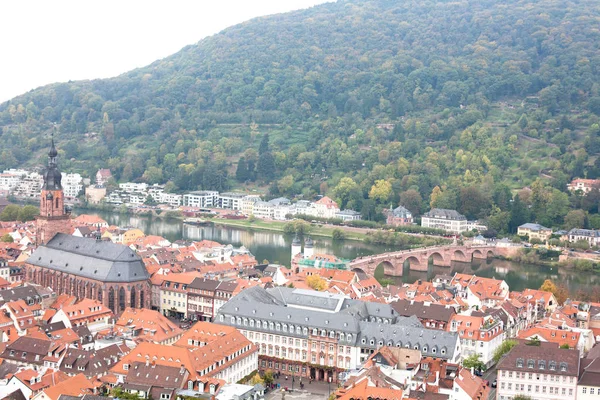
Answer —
456 94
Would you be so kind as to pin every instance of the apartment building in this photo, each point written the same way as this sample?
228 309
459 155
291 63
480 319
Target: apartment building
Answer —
231 200
9 181
30 185
201 199
263 210
449 220
130 187
478 335
172 199
72 184
174 294
541 372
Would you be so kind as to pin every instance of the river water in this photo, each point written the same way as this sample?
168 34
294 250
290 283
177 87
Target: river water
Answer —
276 248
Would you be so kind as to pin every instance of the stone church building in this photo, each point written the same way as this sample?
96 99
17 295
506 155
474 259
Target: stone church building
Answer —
89 268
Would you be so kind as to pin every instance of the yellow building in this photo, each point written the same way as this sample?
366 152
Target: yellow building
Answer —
534 231
131 236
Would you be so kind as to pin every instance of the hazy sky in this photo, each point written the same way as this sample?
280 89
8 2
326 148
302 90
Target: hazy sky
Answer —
45 41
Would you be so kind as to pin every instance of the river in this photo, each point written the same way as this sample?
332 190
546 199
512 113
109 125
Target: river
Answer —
276 248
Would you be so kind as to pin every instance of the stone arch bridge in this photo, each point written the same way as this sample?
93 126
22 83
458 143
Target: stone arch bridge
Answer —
418 259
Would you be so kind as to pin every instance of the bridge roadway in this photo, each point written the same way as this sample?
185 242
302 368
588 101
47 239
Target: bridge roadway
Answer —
418 259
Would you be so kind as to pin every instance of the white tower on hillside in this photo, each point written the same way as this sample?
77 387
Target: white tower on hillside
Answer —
309 250
296 247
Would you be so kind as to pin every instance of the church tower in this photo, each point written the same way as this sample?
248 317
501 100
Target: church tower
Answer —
53 218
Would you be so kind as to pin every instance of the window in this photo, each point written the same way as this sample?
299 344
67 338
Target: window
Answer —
530 363
563 366
519 363
126 367
542 364
584 390
592 390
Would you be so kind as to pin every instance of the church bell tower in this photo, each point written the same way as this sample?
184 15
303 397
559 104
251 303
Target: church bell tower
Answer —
53 217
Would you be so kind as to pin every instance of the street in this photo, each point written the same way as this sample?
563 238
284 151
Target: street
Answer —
490 376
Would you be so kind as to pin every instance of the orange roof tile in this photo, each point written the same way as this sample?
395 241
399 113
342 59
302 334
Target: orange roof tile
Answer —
75 386
151 325
558 336
362 391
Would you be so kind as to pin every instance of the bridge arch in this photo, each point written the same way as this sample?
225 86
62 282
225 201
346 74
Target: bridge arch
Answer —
459 255
359 270
478 254
413 262
436 258
385 268
490 254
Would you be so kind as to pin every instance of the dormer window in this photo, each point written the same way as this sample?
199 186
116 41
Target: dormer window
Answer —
542 364
563 366
552 366
530 363
519 363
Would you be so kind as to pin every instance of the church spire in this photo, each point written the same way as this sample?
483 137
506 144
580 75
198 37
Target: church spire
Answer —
52 176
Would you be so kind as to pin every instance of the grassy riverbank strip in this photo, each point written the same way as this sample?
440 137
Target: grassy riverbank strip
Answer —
277 226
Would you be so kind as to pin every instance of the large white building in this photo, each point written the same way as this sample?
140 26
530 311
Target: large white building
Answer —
172 199
317 335
72 184
9 180
263 210
231 200
133 187
201 199
449 220
542 372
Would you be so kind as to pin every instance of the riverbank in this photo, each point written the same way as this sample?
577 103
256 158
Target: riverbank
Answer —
278 226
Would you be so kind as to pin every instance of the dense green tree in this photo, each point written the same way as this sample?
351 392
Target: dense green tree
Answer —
28 213
10 213
575 219
519 214
412 201
241 172
473 361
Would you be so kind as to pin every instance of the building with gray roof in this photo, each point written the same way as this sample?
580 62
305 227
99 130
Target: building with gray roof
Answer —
296 327
448 220
89 268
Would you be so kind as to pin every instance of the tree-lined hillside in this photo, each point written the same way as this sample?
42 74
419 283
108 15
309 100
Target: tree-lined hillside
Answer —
399 97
